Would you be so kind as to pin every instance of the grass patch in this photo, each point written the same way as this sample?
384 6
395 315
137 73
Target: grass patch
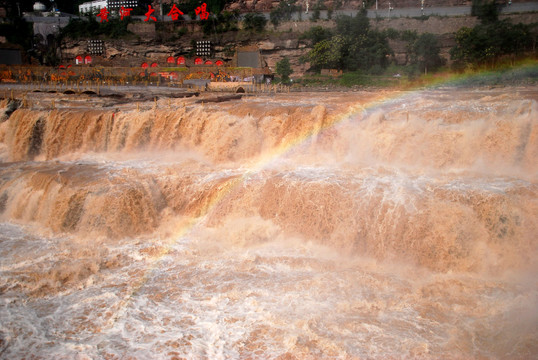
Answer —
351 79
524 72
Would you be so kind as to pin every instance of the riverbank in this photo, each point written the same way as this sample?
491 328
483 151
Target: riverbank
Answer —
520 73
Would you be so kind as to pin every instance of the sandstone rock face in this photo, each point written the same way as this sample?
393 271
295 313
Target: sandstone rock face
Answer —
150 45
266 45
264 5
278 45
74 49
121 53
293 56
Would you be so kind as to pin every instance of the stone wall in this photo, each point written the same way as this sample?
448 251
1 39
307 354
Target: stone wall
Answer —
268 5
443 25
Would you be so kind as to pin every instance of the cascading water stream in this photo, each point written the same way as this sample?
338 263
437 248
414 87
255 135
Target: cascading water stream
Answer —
349 226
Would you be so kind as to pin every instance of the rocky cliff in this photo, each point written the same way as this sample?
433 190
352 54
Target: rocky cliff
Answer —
151 44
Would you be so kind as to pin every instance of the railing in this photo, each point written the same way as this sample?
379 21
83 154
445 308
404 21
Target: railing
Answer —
87 78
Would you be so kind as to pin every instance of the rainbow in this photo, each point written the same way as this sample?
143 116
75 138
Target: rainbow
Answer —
387 96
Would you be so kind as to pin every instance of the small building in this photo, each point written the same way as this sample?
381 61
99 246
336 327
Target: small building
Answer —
111 5
117 4
47 23
249 56
39 7
91 6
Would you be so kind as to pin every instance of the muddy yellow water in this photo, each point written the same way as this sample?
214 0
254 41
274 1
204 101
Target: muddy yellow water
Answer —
360 225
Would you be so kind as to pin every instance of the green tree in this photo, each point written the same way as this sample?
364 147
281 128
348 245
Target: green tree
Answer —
392 33
283 68
82 28
485 10
368 52
328 53
215 6
316 34
409 36
317 11
354 46
485 43
254 21
283 12
315 15
426 50
464 50
275 17
221 22
353 26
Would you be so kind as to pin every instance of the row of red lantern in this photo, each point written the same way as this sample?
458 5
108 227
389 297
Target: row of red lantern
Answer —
199 61
79 60
182 61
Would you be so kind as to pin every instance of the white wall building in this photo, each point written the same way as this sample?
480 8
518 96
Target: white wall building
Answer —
91 6
117 4
39 7
110 5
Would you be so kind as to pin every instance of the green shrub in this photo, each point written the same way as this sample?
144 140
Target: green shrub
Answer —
254 21
81 28
283 68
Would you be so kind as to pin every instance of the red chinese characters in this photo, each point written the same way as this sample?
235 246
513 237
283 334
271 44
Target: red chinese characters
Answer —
103 14
202 11
148 14
175 12
124 12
